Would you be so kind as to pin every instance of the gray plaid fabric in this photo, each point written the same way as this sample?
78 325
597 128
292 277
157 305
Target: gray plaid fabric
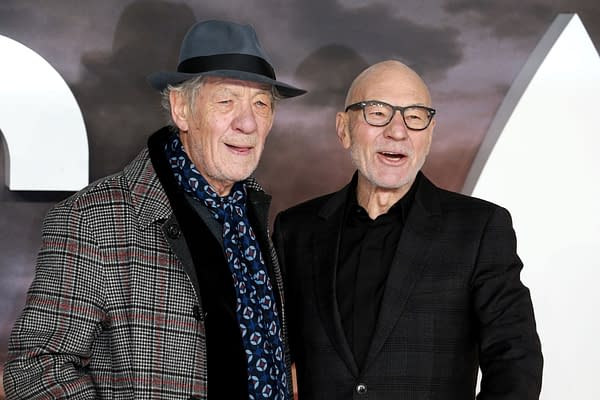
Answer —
110 313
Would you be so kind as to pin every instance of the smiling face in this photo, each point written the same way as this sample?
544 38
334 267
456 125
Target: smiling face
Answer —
225 129
389 157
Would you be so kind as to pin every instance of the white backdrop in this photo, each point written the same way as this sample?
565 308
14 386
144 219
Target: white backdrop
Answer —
540 160
45 137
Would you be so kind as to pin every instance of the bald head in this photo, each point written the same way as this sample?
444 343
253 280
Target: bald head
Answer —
386 152
384 73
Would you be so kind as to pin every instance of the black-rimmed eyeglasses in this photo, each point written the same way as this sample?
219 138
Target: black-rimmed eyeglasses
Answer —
379 113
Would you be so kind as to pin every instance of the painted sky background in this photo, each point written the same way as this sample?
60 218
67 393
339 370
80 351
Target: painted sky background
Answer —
468 51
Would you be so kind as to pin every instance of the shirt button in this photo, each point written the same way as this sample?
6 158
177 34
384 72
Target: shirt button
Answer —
361 388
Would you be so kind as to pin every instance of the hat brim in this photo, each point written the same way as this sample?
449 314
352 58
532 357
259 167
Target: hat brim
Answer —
160 80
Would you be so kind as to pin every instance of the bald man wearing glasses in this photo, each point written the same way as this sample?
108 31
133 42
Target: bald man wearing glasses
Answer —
398 289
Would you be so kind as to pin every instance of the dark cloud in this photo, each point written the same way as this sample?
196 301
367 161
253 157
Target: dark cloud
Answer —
12 16
327 73
49 28
375 32
522 19
303 159
120 108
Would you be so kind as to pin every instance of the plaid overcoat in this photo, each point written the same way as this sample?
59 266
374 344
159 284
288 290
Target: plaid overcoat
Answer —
112 312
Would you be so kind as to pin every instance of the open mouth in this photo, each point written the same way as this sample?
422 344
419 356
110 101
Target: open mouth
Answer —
392 156
239 149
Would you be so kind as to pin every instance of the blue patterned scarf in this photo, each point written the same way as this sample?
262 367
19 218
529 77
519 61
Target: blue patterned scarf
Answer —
256 306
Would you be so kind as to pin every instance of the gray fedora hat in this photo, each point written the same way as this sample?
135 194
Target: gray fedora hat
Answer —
222 48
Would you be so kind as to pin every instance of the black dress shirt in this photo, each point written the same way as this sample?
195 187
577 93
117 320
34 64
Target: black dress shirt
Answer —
366 251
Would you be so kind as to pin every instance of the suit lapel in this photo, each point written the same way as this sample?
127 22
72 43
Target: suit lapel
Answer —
325 247
411 257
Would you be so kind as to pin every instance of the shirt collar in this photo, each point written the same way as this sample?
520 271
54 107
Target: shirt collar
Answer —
400 209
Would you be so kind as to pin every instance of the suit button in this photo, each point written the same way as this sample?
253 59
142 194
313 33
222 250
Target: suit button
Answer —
173 231
198 314
361 388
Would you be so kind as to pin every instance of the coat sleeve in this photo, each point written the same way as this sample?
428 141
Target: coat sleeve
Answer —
510 351
51 342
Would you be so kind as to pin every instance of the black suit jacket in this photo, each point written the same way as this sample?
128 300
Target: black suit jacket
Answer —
453 301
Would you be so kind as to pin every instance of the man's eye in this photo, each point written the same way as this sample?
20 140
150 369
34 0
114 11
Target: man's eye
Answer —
416 115
262 104
377 114
264 101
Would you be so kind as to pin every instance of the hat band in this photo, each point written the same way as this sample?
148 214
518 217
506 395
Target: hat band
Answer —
238 62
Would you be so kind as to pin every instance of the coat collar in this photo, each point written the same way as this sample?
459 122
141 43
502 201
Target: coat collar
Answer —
149 199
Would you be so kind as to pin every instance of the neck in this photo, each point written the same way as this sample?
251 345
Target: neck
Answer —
377 200
221 188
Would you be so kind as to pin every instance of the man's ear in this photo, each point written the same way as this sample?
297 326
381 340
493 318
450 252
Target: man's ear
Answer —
179 110
342 128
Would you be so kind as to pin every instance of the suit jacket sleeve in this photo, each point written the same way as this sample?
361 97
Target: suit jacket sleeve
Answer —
510 351
53 337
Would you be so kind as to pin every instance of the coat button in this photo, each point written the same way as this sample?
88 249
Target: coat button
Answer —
361 388
173 231
199 315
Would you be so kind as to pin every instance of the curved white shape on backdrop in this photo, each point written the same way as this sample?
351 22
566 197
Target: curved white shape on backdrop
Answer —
45 139
540 160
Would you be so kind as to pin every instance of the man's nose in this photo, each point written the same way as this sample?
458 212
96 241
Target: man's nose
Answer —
245 120
397 129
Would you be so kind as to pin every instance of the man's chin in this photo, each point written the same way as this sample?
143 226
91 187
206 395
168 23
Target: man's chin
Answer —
391 182
239 176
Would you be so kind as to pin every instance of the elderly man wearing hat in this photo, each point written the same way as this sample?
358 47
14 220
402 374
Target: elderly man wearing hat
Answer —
161 281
